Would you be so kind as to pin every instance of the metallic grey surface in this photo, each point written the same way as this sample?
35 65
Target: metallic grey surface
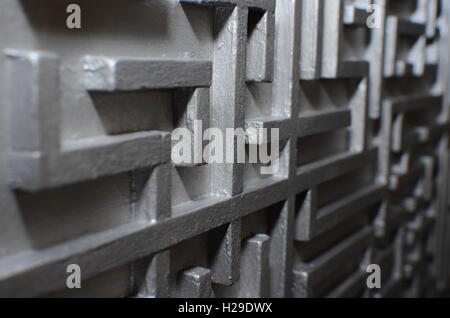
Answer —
86 176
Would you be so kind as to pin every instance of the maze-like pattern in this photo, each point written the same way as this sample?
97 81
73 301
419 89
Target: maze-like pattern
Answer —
359 90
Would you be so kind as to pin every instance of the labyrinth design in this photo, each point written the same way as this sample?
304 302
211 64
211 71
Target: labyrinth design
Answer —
359 90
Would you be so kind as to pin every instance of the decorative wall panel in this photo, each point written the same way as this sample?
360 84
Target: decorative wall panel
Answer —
358 89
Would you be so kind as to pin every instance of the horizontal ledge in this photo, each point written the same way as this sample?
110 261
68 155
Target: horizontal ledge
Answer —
406 104
125 74
313 272
285 126
310 175
340 210
316 123
305 125
89 159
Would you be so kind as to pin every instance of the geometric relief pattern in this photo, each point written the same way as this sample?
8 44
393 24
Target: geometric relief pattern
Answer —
86 172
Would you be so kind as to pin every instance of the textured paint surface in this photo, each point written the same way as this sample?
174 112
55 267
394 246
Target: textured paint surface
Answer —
85 170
